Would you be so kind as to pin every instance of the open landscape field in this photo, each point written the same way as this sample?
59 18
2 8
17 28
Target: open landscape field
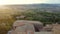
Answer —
35 12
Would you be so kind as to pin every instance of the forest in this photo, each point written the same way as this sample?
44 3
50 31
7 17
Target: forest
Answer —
42 15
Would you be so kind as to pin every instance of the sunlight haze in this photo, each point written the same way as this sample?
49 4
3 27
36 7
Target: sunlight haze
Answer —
5 2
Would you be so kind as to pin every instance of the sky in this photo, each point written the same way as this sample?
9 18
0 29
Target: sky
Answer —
5 2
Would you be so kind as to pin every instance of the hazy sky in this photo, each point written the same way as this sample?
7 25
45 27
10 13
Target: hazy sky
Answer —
4 2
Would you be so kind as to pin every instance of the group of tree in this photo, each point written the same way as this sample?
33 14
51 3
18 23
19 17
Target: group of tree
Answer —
42 16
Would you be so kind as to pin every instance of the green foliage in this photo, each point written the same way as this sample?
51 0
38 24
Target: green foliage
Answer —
42 16
31 14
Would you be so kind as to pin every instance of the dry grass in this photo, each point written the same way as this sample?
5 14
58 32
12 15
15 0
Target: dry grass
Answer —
56 29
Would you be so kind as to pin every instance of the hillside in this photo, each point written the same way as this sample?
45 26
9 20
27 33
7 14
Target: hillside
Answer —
45 13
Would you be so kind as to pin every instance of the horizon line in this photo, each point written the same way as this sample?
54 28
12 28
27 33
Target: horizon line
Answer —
31 4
